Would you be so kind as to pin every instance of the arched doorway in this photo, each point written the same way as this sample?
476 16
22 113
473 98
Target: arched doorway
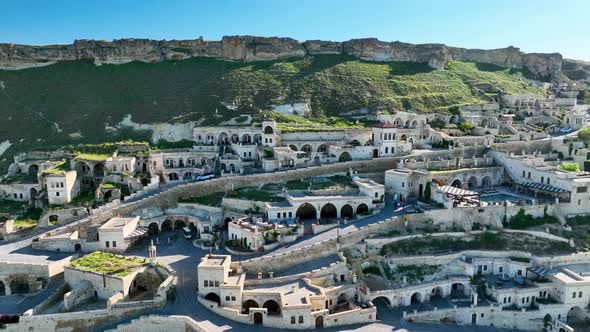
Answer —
346 211
293 147
458 290
268 130
77 247
345 156
99 170
179 224
33 170
319 322
437 293
472 183
272 307
420 190
306 148
375 153
32 196
81 168
456 183
249 304
258 318
381 301
20 285
362 209
2 289
306 211
166 225
328 211
144 286
323 148
153 228
416 298
213 298
486 182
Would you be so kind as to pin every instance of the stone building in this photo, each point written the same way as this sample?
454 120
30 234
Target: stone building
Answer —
62 187
118 233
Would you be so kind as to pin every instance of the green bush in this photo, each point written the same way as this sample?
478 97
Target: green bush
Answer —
427 191
372 270
570 167
466 126
522 220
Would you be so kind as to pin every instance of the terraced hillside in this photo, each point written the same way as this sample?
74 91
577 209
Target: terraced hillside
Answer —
72 102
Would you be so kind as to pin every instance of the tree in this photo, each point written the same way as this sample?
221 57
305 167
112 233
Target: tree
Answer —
584 135
427 191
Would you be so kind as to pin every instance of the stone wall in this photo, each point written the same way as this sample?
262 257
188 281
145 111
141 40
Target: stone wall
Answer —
251 48
154 323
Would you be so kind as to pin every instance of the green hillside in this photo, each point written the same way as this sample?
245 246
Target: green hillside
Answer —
44 106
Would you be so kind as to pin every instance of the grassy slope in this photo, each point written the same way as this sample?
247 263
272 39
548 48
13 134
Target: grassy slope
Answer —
81 98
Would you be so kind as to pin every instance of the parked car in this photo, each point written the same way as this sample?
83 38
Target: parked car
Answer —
565 130
205 176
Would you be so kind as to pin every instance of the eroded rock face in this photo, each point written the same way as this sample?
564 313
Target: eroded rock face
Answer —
251 48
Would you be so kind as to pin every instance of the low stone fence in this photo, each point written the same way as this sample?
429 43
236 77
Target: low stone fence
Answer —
154 323
317 229
63 216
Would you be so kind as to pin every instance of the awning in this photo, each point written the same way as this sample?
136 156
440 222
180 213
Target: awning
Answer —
543 187
449 190
541 270
139 231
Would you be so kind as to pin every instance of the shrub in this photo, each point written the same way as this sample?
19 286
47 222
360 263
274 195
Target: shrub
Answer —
466 126
584 135
570 167
522 220
476 226
372 270
268 153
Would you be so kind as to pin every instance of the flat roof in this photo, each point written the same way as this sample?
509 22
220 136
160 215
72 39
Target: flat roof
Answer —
116 222
215 260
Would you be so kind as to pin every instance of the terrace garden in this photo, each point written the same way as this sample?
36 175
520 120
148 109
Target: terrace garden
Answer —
109 264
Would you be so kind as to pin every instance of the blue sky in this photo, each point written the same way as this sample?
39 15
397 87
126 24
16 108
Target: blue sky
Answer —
532 25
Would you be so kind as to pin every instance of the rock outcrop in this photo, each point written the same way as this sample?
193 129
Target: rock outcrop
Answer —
250 48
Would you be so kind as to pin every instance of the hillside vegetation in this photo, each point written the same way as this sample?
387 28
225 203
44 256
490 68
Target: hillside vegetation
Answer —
72 102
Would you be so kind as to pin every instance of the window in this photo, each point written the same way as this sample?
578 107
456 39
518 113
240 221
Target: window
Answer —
542 179
292 319
501 269
233 298
330 301
519 272
290 214
485 267
548 181
504 300
106 244
278 214
227 298
574 295
403 184
581 190
216 283
206 284
114 244
386 150
376 195
529 175
522 300
300 319
579 294
56 194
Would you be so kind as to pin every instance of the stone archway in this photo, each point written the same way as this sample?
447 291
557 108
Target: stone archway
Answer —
166 225
98 170
416 298
248 305
144 286
272 307
347 211
456 183
20 285
486 182
344 156
153 228
179 224
213 298
381 301
458 290
472 183
362 209
33 170
437 293
293 147
355 143
328 211
306 211
268 130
